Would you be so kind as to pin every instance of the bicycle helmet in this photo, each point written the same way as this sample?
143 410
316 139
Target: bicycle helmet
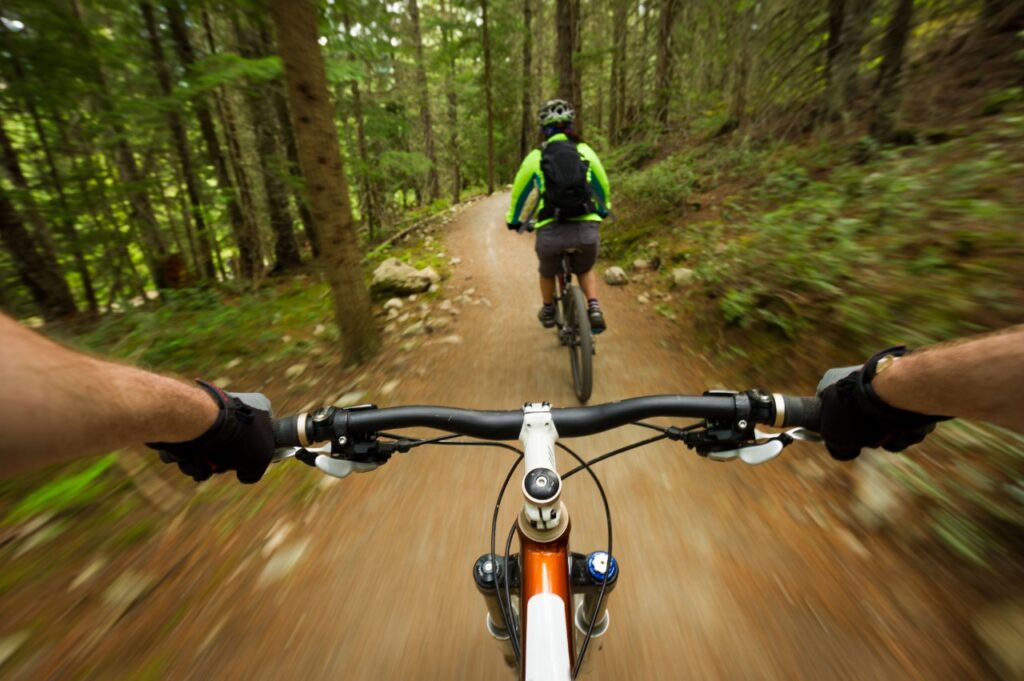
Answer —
556 111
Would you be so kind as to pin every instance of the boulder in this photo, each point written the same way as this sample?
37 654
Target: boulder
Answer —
435 324
645 265
396 277
879 499
393 304
414 329
682 276
615 276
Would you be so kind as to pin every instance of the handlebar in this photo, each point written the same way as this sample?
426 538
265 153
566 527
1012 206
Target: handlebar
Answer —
747 408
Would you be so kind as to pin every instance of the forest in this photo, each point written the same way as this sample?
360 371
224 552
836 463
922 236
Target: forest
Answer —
207 187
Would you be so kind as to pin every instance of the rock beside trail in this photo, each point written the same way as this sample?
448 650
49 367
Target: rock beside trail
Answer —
415 329
645 265
435 324
682 276
878 498
393 304
615 276
396 277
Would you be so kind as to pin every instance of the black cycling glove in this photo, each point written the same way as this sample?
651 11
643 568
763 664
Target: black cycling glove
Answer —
513 226
240 439
854 416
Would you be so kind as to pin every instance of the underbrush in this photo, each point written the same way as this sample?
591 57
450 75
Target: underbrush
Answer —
918 245
195 331
821 253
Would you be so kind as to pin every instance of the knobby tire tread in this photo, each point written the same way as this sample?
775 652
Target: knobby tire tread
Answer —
581 352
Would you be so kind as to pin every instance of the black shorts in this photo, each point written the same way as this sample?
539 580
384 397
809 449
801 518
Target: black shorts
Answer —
581 238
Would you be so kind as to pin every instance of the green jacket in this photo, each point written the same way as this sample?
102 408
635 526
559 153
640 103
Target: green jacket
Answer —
530 178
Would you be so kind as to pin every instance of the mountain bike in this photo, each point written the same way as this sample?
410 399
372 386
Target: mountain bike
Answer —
547 603
572 324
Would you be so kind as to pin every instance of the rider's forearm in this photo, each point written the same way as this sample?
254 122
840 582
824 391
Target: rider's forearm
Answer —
57 404
980 378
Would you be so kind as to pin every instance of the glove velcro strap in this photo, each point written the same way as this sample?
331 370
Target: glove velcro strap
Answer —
868 400
231 416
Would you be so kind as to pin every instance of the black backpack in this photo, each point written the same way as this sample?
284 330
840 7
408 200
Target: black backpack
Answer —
567 193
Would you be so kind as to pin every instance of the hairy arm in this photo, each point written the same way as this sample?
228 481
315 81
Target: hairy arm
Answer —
57 404
979 378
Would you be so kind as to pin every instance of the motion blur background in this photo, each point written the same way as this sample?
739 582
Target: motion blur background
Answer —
796 184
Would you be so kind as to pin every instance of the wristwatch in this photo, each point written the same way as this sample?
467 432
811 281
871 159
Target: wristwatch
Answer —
885 362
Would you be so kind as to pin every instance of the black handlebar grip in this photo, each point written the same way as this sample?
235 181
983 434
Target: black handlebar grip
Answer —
803 412
286 431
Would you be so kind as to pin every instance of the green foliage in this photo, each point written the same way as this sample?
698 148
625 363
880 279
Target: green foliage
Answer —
909 245
219 70
998 101
849 251
344 71
402 169
201 330
661 187
76 489
630 156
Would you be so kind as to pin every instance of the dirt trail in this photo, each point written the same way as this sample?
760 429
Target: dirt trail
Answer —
728 572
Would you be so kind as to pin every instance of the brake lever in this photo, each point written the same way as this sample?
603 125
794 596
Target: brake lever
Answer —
290 452
769 449
794 433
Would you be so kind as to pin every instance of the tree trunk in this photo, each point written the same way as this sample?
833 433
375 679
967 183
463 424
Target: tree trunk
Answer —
567 14
453 111
528 124
738 106
141 209
180 140
847 22
324 171
433 182
65 222
183 47
250 256
836 16
254 45
663 85
544 31
186 217
285 125
369 205
488 83
999 16
620 19
888 87
577 77
12 167
38 271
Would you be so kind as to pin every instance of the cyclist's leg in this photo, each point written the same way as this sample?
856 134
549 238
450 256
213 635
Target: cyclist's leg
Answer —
549 263
588 244
588 282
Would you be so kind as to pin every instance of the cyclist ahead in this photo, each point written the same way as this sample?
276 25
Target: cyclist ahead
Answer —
573 199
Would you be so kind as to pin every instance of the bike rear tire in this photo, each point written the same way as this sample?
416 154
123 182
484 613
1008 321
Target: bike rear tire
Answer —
581 344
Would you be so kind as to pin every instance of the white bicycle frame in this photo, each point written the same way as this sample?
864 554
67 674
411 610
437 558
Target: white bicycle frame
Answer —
546 651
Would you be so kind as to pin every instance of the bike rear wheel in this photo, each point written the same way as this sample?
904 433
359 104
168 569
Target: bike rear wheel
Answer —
580 342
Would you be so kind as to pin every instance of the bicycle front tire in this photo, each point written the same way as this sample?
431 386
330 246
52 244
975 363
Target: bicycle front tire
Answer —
581 345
